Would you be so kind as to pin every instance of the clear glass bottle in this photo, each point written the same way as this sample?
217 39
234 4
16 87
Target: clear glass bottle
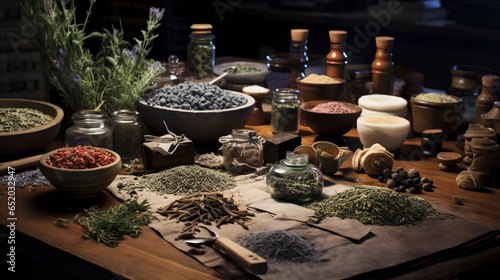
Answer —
90 128
128 138
285 110
201 52
298 56
294 179
242 151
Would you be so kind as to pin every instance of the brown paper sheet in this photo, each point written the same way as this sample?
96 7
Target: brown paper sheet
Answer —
369 248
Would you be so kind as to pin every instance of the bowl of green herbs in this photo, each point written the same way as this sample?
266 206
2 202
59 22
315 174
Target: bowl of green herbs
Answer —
27 125
245 72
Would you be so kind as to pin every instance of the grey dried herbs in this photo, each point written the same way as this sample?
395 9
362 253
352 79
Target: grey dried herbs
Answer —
182 180
207 208
29 177
280 246
17 119
376 206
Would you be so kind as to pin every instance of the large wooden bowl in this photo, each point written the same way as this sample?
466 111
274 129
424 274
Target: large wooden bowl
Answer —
328 124
33 139
313 91
81 183
431 115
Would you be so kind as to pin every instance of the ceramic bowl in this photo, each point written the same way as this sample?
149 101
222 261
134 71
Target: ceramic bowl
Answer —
313 91
431 115
257 77
81 183
388 131
328 124
197 125
383 105
33 139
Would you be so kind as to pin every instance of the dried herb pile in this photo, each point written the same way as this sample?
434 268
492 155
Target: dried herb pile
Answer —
376 206
280 246
207 208
16 119
29 177
182 180
110 226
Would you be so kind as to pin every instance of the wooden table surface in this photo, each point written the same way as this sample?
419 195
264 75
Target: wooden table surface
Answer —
65 255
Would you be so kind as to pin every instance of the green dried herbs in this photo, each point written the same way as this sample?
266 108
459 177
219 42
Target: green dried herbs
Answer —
182 180
110 226
200 60
285 117
17 119
376 206
298 187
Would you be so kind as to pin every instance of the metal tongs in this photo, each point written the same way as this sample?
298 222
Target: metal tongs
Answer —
243 257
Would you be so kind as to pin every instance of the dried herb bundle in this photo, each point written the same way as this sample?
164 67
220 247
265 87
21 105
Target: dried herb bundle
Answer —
206 208
109 226
182 180
280 245
376 206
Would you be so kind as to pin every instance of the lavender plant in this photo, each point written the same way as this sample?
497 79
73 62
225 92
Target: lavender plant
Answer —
113 78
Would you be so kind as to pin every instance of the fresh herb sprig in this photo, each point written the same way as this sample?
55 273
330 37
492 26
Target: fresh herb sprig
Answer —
110 226
114 78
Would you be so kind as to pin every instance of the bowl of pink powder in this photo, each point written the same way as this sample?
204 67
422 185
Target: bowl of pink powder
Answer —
330 118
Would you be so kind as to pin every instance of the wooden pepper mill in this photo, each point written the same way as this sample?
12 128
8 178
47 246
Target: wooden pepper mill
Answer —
383 67
298 55
485 100
336 59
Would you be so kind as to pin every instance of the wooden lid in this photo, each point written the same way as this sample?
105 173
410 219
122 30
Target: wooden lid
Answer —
299 35
337 36
384 42
201 28
491 80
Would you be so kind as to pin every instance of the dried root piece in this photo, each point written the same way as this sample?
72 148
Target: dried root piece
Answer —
206 208
326 155
372 160
469 180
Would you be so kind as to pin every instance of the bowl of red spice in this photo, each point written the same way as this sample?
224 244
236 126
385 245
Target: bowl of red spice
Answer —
82 171
330 118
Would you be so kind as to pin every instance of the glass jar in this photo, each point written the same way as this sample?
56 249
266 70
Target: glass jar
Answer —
285 110
242 151
298 61
128 138
174 73
279 71
90 128
294 179
200 52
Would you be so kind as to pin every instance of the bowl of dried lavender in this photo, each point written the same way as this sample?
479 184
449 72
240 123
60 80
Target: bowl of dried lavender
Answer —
201 111
82 171
27 125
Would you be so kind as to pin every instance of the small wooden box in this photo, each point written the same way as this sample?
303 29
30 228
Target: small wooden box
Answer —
183 155
276 146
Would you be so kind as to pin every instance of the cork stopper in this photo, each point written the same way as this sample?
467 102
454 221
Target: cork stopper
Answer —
384 42
299 35
201 28
491 80
337 36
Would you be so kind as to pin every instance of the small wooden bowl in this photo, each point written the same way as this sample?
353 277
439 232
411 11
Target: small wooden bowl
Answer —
329 124
81 183
448 161
313 91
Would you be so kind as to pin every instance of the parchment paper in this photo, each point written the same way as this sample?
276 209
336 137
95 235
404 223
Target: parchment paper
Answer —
350 247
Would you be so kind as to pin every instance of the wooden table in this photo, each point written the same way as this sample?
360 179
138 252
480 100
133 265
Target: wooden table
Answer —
48 252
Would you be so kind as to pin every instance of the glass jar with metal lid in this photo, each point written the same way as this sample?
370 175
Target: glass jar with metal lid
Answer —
242 151
90 128
294 179
128 137
285 110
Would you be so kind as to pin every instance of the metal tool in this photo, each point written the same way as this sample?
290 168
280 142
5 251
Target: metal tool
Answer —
242 256
226 71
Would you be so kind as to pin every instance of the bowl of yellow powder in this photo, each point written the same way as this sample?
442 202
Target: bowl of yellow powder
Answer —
320 87
435 110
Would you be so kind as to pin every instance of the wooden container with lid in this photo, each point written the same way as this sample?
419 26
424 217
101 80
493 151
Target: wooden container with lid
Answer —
382 66
336 59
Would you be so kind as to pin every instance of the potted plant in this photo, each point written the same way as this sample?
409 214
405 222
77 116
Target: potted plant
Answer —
112 78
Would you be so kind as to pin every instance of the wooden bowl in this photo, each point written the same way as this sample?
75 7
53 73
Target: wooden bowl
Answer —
431 115
81 183
32 139
313 91
328 124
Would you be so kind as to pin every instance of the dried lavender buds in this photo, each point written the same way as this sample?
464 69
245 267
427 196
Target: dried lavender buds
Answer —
402 180
207 208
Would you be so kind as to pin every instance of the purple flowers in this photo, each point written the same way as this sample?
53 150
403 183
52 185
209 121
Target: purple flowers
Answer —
130 54
156 12
158 67
60 61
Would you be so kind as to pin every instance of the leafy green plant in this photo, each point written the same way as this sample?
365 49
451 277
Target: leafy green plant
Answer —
115 77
